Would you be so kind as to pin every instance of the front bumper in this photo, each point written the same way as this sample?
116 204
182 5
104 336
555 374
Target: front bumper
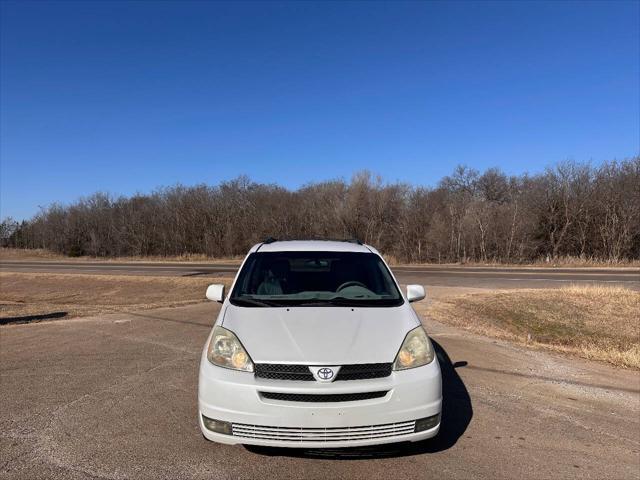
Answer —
234 397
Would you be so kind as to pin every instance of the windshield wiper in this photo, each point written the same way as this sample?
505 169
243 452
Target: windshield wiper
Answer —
317 302
339 301
350 302
250 302
365 302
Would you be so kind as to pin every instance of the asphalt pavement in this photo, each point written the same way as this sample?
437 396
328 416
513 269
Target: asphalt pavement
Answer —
433 275
114 397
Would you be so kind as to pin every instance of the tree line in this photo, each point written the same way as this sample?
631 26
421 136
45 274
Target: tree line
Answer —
570 209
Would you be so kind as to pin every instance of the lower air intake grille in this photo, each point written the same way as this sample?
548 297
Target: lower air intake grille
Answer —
329 397
327 435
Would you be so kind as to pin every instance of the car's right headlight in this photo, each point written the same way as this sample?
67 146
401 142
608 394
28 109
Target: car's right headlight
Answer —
225 350
416 350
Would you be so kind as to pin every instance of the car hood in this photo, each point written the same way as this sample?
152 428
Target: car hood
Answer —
321 335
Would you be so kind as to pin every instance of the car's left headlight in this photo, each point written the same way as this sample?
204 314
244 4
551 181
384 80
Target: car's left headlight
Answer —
225 350
416 350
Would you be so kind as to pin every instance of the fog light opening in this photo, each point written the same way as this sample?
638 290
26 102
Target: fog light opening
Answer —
217 426
427 423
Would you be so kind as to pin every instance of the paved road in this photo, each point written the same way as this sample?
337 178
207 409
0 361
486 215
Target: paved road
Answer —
479 277
115 397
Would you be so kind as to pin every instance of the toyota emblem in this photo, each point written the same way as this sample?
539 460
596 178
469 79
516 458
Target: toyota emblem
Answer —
325 373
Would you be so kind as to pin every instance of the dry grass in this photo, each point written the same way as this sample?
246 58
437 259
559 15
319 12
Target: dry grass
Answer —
184 258
35 254
564 262
35 294
596 322
41 254
569 262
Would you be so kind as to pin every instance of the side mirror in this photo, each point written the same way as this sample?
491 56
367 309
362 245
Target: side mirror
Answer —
215 292
415 293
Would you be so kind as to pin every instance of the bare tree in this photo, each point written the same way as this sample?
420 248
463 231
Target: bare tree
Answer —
570 209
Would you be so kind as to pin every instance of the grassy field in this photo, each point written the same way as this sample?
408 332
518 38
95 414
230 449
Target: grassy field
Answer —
595 322
24 295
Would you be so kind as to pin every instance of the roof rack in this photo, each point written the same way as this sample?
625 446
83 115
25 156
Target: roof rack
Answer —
350 240
269 240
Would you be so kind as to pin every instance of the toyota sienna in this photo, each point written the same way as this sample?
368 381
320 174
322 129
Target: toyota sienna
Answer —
316 346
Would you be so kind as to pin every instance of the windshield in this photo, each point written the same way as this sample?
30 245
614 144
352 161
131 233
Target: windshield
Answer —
273 279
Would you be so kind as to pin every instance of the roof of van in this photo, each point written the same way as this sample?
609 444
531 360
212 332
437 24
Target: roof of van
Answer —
312 246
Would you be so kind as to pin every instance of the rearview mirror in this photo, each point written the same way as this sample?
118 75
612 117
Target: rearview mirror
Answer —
215 292
415 293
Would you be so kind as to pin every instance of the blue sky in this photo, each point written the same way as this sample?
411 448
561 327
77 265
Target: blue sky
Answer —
128 96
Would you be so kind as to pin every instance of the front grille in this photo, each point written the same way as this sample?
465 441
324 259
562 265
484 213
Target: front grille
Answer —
360 371
364 371
323 397
322 434
283 372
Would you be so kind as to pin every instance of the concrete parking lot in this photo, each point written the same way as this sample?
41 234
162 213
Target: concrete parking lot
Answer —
115 397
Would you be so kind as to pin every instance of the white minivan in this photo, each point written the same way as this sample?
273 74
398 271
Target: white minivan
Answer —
316 346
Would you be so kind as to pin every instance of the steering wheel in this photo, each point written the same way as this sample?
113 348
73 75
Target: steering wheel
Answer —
352 283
